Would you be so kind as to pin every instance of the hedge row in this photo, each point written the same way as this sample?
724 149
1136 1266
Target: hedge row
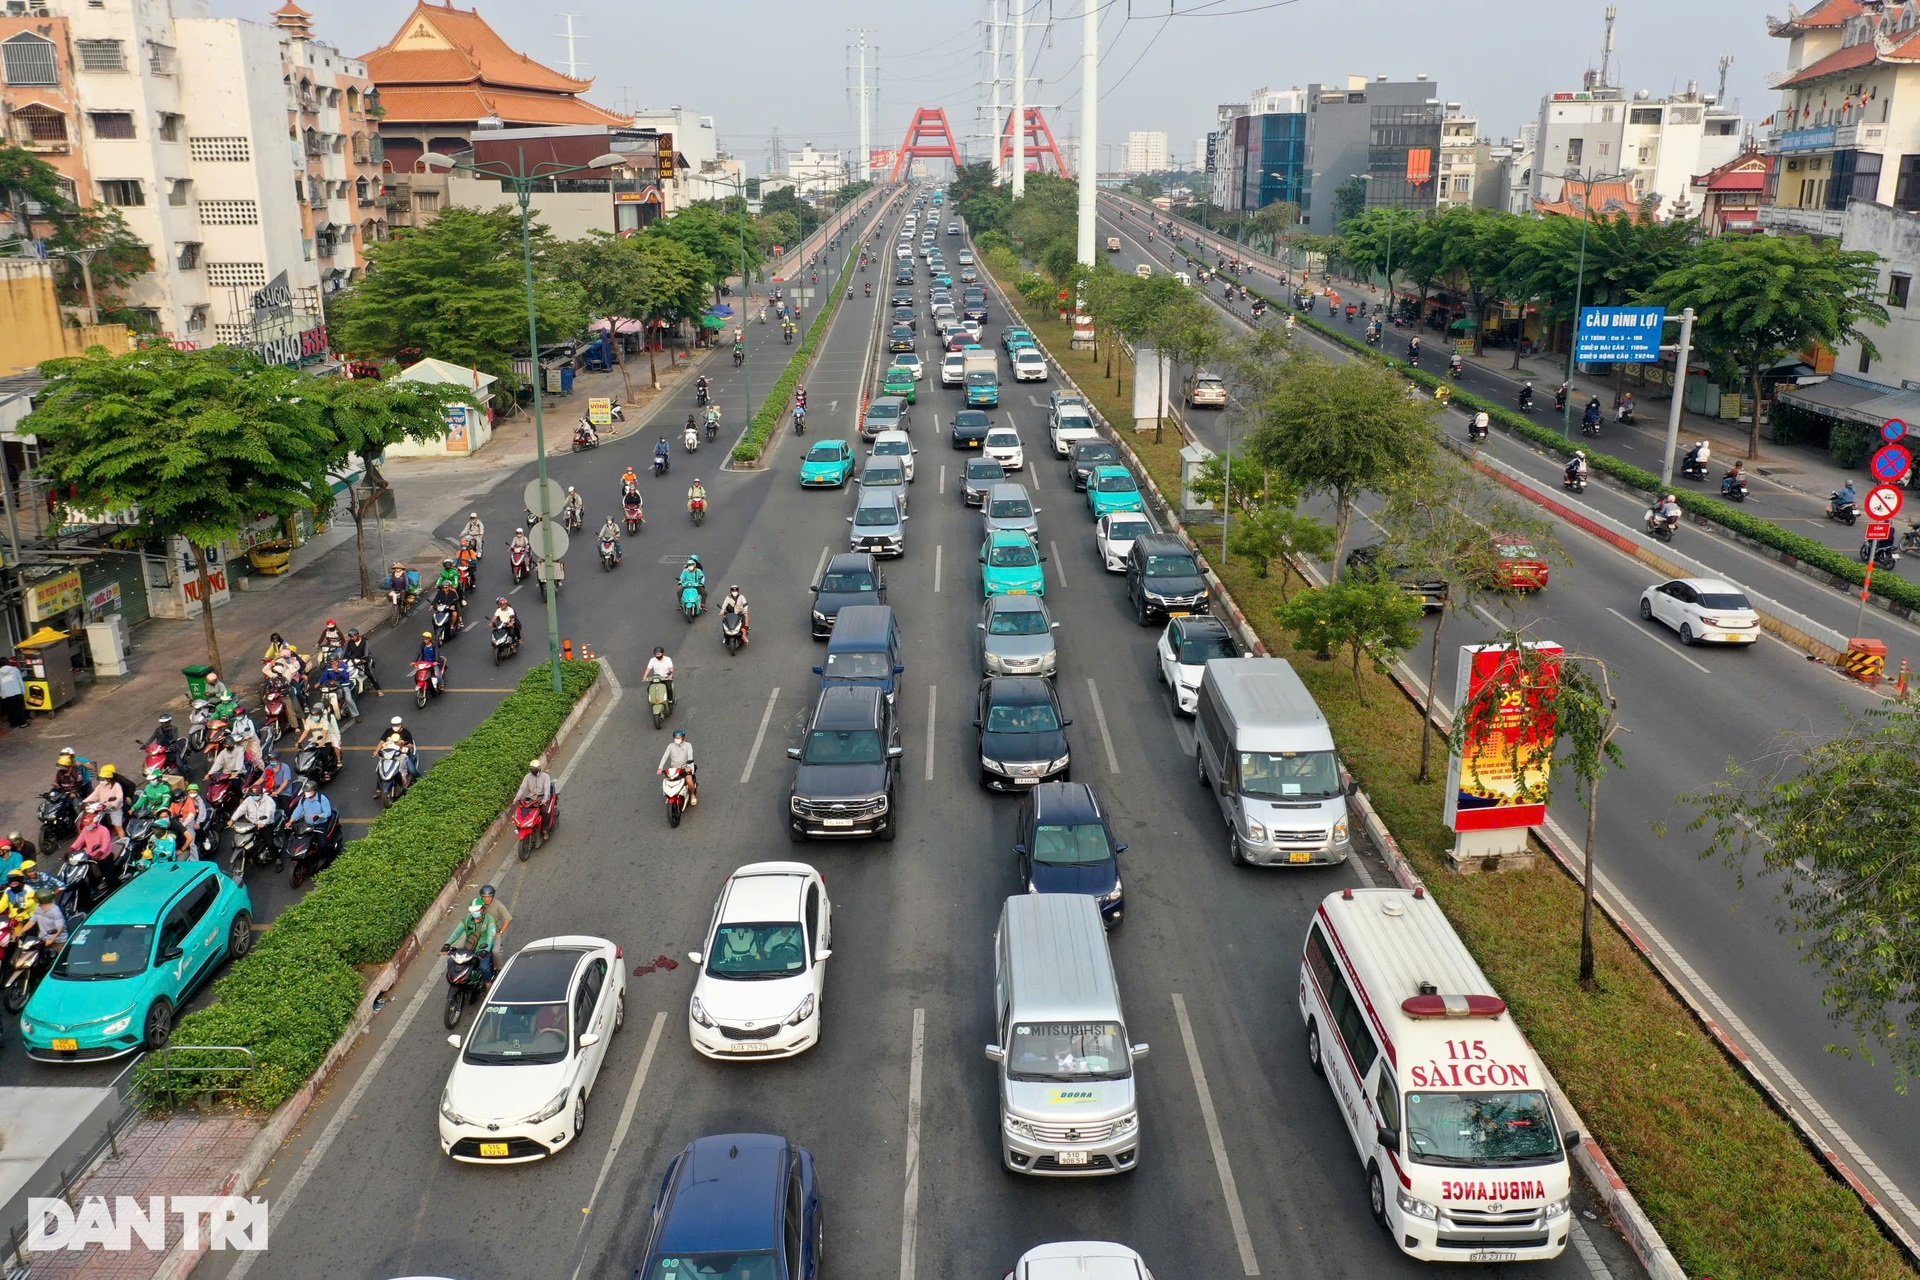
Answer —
293 996
1893 588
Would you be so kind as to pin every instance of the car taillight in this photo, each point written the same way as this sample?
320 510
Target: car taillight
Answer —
1712 622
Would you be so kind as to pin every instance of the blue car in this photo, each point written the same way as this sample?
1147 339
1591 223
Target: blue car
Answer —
739 1205
1065 846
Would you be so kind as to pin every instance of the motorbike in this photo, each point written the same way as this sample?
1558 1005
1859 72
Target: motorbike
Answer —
533 823
84 882
277 713
1475 432
584 437
1574 481
1662 527
700 397
520 562
1624 415
676 786
426 683
463 583
658 701
697 510
390 777
1882 554
739 358
197 721
505 643
251 844
464 983
690 603
799 421
713 427
1733 488
156 756
59 817
1590 424
25 964
1526 399
1845 512
314 764
1910 540
609 557
661 464
442 622
1695 466
572 517
633 516
312 849
1454 370
732 631
223 795
690 440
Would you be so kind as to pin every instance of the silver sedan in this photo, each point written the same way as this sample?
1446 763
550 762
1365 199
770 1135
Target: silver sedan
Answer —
1016 637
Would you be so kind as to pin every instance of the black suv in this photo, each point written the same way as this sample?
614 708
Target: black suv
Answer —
849 763
1164 579
1375 563
1088 454
850 578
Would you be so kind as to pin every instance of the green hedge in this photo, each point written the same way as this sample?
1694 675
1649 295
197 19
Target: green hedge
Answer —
766 419
292 998
1891 587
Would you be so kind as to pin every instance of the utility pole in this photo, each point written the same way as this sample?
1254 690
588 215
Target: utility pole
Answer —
863 168
573 64
1089 123
1019 101
993 112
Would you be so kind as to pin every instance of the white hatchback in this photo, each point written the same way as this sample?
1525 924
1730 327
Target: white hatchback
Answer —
1029 365
953 369
1003 446
1080 1260
1702 609
1113 536
762 976
519 1089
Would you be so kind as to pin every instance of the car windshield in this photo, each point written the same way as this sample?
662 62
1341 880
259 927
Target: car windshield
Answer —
519 1034
985 469
842 583
1721 600
858 664
105 951
1289 775
722 1266
1002 439
869 517
1074 846
1009 508
1068 1051
1481 1128
970 418
893 448
1127 530
1174 566
1017 622
843 746
888 411
1198 650
1516 550
887 475
824 453
755 951
1116 484
1022 717
980 378
1091 452
1020 555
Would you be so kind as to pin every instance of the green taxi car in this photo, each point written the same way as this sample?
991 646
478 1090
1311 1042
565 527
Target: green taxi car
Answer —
828 465
899 382
1111 489
118 984
1010 565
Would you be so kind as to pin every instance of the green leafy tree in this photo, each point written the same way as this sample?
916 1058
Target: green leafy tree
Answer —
786 200
1282 535
1378 241
455 289
1757 299
200 442
1187 330
1349 199
1374 621
971 179
1059 260
1249 491
1474 246
714 239
99 255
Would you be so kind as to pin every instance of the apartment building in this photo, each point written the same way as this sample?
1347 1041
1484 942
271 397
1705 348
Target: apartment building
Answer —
1462 154
1656 145
1147 151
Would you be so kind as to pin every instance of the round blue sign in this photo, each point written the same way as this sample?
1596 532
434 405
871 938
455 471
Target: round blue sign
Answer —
1890 462
1893 430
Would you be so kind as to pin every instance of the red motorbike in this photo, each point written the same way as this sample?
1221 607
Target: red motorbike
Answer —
277 713
534 823
520 559
427 679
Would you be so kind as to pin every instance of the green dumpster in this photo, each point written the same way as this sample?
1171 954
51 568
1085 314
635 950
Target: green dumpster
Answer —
197 679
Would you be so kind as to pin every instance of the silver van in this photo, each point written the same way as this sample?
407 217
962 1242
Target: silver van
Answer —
1266 753
1067 1104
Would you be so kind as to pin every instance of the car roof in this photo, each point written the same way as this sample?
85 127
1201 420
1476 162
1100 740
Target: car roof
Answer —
830 444
1005 489
1009 537
1019 689
142 899
765 891
1715 585
892 435
986 466
850 562
1016 604
727 1195
1160 544
1196 623
1005 428
848 706
537 975
1065 802
1112 471
969 414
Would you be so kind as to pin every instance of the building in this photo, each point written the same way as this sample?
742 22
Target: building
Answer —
1656 145
1147 151
619 201
1462 154
1386 131
1848 124
695 145
1729 197
1199 156
1260 157
815 172
32 329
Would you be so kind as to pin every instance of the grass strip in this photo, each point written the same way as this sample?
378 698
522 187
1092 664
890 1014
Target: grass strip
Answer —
1728 1181
766 419
294 994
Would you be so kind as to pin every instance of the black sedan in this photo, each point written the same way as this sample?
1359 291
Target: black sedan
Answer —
1088 454
970 428
1374 563
1023 736
977 477
1064 845
899 338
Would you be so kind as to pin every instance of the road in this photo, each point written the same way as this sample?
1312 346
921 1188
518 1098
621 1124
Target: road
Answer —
911 947
475 684
1690 711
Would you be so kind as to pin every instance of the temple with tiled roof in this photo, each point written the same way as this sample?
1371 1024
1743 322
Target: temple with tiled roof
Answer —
446 70
1600 198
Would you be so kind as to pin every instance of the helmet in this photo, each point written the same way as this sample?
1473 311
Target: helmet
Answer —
311 787
353 631
426 635
537 763
693 559
276 637
476 909
395 722
65 756
1579 453
519 530
109 771
153 772
501 600
659 651
487 891
447 563
473 515
331 623
18 873
193 788
679 733
569 488
166 719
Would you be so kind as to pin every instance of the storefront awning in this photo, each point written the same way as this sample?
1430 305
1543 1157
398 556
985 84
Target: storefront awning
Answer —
1868 403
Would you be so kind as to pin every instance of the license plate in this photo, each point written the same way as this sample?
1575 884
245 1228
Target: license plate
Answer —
1299 857
1027 782
66 1046
1016 591
494 1149
836 822
743 1048
1492 1255
1073 1157
1179 613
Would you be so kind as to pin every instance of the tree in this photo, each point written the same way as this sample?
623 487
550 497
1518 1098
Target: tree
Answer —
714 239
971 179
1378 240
670 282
1279 533
455 289
1349 198
1368 619
99 237
786 200
1187 330
1758 298
1474 246
601 264
1342 429
1248 492
199 442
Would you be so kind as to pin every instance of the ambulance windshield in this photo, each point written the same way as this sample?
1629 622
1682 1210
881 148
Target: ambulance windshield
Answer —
1481 1128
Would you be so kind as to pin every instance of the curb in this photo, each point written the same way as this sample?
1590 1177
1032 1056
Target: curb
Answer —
287 1117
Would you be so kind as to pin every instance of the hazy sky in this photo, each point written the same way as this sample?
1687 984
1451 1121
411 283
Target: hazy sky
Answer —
758 65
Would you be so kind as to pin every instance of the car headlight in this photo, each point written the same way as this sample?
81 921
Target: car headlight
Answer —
1126 1124
804 1012
1414 1208
1340 833
698 1012
793 804
549 1111
1019 1126
446 1109
1054 766
113 1028
992 766
1113 894
26 1028
1556 1209
1256 832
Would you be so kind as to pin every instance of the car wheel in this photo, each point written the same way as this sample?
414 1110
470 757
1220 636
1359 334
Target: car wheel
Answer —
1140 613
1236 854
620 1012
1200 770
1646 609
579 1114
795 834
892 829
1686 633
1160 671
1313 1048
157 1027
1377 1195
240 936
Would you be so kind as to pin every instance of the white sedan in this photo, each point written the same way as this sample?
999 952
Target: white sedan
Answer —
910 360
762 976
1184 650
1029 365
1080 1260
1702 609
519 1089
1003 446
1113 536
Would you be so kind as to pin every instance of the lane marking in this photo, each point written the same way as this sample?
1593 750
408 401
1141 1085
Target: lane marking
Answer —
1640 629
1235 1213
619 1137
938 556
932 691
1588 1254
759 737
821 566
1100 714
1060 566
943 477
910 1209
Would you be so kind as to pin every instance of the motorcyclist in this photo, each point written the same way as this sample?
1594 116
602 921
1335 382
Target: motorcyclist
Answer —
448 577
331 637
701 389
1560 397
337 677
1666 509
504 616
1590 416
323 731
736 602
800 394
629 482
694 576
1843 497
1526 395
662 454
398 735
1735 477
190 812
70 777
356 652
679 755
156 796
799 417
13 901
229 761
95 838
1577 466
316 811
429 653
1624 410
572 511
475 933
1697 458
1455 364
610 532
659 667
586 431
164 846
1480 425
521 542
165 735
279 782
449 597
538 786
1413 348
696 492
258 808
475 532
48 923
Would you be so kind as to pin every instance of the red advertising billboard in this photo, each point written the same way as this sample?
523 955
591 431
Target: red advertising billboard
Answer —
1498 779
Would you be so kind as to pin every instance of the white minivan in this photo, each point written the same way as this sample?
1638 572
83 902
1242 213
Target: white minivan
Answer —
1442 1095
1265 751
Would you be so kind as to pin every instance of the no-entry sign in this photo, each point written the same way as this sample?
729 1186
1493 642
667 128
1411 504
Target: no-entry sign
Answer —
1883 502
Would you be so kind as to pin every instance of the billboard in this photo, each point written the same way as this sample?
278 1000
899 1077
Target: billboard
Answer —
880 159
1619 335
1497 779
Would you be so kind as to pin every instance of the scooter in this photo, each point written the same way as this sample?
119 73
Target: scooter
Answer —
1881 553
533 823
690 603
1733 488
312 850
251 844
1662 527
390 777
584 437
1695 466
634 516
571 518
697 510
690 440
713 427
1573 481
659 702
732 631
59 817
520 563
442 622
24 967
505 643
1526 398
661 463
464 983
609 559
426 683
1476 432
799 420
314 764
1590 424
675 785
1845 512
277 712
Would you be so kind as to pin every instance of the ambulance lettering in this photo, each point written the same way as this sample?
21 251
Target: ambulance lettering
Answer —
1498 1192
1456 1075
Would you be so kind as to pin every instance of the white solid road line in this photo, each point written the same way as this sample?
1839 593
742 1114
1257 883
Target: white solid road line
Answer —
933 691
1588 1254
1236 1215
1059 565
759 737
937 557
1100 714
619 1137
910 1210
1640 629
821 566
943 477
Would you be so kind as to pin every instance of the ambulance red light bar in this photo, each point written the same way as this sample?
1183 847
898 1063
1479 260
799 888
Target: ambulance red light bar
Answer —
1453 1006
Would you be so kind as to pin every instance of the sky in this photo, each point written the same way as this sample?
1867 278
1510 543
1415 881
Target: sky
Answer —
758 66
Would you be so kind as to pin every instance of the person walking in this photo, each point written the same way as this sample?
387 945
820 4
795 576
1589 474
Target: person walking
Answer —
13 693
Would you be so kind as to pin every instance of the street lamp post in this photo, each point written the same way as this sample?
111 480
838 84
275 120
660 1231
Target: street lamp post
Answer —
1367 177
1579 285
522 180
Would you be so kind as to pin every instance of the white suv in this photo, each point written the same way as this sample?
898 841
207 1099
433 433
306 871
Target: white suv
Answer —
763 974
953 369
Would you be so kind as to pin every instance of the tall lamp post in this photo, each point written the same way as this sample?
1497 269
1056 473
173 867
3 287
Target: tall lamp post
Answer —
1367 177
521 180
746 367
1579 282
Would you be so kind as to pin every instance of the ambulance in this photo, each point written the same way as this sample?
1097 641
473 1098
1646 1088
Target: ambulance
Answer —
1443 1097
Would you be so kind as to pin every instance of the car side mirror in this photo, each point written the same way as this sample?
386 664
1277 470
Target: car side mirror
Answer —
898 669
894 753
172 953
1138 1051
793 753
1044 558
983 559
1388 1138
695 956
454 1041
1056 626
1120 848
996 1054
983 626
849 519
815 588
1038 510
589 1039
1065 723
1572 1140
817 671
1020 849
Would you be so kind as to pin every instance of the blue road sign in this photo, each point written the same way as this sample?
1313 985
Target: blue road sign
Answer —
1890 462
1893 430
1619 335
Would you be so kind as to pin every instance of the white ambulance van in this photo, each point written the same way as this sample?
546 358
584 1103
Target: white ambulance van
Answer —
1443 1097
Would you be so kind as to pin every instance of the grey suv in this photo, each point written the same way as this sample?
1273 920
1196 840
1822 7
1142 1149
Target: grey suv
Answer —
879 526
849 578
1007 506
843 785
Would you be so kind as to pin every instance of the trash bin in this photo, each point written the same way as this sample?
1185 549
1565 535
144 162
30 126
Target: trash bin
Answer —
197 679
566 380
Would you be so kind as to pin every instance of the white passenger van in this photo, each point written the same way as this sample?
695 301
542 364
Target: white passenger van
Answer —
1265 751
1067 1103
1443 1097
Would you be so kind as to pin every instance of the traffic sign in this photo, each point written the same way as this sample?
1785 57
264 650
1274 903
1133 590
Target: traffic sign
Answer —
1883 502
1879 530
1890 462
1893 429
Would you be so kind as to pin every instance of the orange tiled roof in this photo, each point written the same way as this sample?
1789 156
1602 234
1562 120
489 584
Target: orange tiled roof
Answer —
433 104
1847 59
443 45
1602 198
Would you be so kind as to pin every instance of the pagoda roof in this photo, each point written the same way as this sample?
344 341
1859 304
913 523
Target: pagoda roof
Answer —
1825 15
441 45
1604 198
434 104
